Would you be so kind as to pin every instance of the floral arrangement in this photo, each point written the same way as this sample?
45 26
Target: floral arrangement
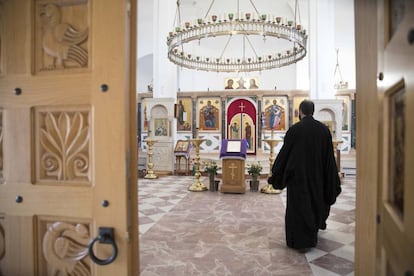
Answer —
210 166
254 169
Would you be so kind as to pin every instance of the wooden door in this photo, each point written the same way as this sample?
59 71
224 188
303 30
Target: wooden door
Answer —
67 137
396 91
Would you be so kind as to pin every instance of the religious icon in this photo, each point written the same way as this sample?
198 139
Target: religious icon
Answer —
161 127
248 135
229 84
234 130
253 84
296 102
241 82
182 146
209 114
241 122
183 112
275 113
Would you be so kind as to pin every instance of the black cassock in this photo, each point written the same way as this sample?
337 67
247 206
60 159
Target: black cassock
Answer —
306 166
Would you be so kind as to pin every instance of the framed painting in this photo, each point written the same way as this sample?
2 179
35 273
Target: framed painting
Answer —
276 116
161 127
241 83
209 114
396 148
296 102
182 146
183 114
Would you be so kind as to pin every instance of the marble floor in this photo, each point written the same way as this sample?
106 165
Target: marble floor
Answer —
212 233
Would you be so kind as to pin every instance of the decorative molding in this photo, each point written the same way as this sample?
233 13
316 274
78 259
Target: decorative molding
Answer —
346 143
62 34
65 248
1 47
212 143
63 147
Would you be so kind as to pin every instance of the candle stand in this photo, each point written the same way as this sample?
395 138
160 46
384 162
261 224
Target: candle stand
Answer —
197 186
150 173
268 189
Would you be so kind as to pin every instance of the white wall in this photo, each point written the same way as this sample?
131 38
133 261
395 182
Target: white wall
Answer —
295 76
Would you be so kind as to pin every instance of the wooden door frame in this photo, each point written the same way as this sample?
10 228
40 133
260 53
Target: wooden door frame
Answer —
130 237
367 141
133 141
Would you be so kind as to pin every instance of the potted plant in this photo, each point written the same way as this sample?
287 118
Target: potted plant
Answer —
254 169
211 167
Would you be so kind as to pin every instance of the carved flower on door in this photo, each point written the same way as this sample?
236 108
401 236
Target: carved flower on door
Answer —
64 139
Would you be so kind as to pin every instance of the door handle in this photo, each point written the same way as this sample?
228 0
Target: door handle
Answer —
105 236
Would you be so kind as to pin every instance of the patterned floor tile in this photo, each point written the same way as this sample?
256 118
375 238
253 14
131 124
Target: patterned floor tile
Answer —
335 264
186 233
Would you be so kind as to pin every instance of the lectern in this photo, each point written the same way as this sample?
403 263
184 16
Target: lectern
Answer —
233 156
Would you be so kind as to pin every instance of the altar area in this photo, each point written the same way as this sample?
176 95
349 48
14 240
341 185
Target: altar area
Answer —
347 163
255 116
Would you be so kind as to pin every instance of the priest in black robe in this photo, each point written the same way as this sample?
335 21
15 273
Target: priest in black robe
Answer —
306 166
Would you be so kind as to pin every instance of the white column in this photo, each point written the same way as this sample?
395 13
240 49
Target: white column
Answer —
322 48
165 74
303 67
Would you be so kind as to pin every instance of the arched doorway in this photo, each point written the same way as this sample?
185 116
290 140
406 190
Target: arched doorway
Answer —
241 122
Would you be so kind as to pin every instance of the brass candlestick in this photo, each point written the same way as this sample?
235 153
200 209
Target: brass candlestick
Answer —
197 186
150 173
268 189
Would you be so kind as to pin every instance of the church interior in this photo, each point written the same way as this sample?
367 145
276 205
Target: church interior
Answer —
185 113
138 137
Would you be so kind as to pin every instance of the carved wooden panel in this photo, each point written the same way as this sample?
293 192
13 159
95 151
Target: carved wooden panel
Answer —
62 34
1 51
2 241
62 144
1 35
1 145
63 247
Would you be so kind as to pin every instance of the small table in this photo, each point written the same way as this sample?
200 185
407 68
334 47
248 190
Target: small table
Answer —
182 150
178 169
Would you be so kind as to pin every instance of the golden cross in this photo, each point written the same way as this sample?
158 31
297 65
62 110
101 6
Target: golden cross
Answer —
232 167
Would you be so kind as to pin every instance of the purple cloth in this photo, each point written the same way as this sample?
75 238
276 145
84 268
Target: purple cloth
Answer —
225 154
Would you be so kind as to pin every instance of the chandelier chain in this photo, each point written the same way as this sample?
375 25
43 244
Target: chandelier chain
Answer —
254 7
209 8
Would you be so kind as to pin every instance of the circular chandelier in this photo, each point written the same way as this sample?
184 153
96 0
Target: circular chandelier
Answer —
232 25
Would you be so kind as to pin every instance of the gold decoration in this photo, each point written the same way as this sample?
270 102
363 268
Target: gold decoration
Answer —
268 189
150 173
197 186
